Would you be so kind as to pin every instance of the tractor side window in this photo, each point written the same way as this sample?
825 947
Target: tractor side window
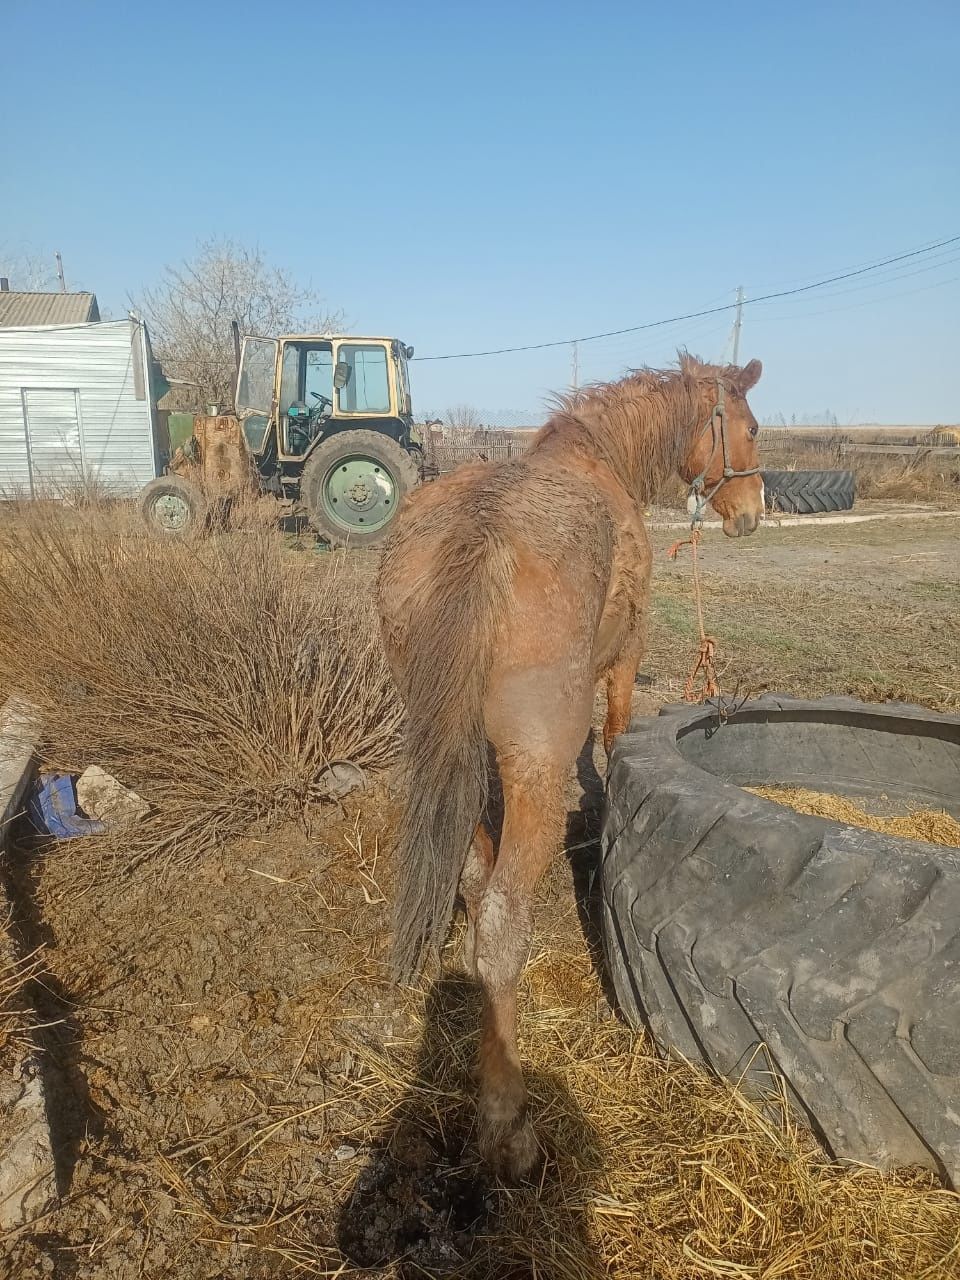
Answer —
368 386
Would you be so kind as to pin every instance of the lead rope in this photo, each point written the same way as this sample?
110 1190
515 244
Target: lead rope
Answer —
704 665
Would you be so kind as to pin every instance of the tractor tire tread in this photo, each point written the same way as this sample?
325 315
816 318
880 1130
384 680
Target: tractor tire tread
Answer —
748 939
809 492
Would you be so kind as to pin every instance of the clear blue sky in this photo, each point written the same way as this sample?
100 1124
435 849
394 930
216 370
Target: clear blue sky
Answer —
474 175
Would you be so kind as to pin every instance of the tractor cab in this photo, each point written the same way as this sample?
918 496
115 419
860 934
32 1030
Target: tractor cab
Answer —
293 392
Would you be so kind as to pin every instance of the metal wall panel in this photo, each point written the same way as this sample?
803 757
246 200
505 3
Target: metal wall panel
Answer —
52 421
99 362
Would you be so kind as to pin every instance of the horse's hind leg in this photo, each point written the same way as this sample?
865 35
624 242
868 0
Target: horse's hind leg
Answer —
534 817
473 882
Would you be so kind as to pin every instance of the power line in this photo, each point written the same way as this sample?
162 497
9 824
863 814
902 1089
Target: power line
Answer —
850 266
869 302
893 276
694 315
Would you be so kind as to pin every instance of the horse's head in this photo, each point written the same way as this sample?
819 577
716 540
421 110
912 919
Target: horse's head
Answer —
722 466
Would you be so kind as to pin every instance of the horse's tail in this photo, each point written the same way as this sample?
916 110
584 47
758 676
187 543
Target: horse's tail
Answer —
449 651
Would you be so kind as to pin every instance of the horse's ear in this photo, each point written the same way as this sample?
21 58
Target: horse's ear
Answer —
749 376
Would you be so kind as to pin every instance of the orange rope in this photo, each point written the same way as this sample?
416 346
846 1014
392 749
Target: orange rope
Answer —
704 665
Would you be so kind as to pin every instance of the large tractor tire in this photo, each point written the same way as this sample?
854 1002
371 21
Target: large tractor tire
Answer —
173 507
353 485
746 936
808 492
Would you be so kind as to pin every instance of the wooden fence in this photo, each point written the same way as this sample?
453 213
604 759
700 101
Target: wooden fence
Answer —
447 456
495 446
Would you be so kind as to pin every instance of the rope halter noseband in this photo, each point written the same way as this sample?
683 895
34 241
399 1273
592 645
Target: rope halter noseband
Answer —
717 425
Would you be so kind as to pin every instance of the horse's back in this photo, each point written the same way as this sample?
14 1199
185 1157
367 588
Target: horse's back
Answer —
551 534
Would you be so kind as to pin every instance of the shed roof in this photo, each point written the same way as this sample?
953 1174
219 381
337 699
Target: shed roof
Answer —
20 310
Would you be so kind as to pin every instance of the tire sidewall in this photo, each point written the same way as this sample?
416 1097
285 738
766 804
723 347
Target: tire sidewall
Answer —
403 471
178 487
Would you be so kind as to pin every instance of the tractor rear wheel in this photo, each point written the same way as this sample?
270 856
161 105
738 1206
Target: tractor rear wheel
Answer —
353 485
173 507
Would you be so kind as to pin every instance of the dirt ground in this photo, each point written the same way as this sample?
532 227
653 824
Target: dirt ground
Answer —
236 1089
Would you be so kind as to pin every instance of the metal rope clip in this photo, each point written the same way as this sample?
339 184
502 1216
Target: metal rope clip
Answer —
696 504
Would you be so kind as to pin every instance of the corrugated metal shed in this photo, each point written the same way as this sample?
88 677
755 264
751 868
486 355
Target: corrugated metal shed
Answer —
76 406
20 309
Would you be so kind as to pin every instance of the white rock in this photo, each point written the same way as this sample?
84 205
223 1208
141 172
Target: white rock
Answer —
101 796
28 1182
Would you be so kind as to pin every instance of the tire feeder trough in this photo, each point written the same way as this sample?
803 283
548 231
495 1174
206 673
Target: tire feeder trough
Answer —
749 937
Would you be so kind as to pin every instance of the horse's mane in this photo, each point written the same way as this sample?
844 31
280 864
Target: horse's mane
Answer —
640 425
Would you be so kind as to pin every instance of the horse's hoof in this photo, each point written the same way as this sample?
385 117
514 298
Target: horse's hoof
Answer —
514 1155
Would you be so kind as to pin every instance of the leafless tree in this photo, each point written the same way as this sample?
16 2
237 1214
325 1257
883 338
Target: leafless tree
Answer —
188 313
462 417
27 270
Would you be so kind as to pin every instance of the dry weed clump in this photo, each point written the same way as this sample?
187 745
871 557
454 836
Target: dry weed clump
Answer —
216 677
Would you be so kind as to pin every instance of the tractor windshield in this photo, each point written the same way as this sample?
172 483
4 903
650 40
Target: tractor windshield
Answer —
367 388
306 392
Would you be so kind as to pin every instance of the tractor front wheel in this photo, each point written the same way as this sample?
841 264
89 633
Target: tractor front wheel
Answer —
173 507
353 485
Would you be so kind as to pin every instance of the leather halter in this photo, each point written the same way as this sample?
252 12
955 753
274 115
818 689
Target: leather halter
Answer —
717 425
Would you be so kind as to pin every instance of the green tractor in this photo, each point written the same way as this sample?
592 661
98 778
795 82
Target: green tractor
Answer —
323 424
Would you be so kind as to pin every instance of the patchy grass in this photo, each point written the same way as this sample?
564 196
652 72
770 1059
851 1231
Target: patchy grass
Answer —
865 625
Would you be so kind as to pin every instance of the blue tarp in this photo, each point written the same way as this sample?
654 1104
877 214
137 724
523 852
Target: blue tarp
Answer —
52 808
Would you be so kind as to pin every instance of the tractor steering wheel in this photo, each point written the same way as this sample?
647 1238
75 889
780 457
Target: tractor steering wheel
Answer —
323 401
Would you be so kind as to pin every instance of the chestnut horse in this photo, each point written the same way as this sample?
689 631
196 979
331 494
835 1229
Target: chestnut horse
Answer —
505 593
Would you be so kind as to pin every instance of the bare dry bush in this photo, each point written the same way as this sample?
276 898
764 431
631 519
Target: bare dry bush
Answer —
911 480
218 678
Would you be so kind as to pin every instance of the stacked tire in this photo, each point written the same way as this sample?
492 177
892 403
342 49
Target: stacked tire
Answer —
808 492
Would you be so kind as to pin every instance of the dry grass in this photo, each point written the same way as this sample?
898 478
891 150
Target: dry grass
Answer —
654 1169
933 825
227 1124
237 1035
217 678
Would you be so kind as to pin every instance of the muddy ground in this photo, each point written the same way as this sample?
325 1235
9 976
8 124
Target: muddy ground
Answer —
236 1089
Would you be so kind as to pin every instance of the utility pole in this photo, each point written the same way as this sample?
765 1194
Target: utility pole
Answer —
737 325
63 283
575 366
